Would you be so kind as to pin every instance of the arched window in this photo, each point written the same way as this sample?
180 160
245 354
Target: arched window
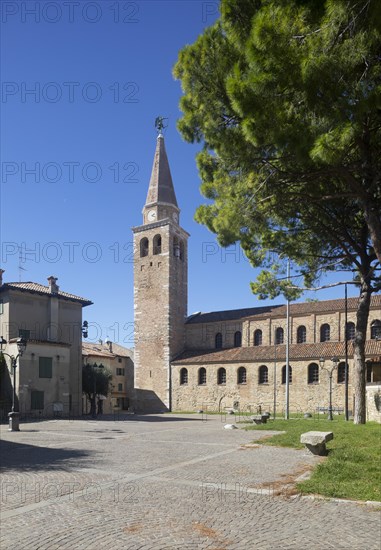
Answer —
181 250
289 374
183 377
176 247
325 333
258 337
350 331
313 373
218 340
144 246
263 375
221 376
157 244
237 339
279 335
301 334
375 329
241 375
202 376
341 373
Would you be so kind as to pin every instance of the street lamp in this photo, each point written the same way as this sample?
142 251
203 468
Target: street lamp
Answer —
14 415
94 415
335 361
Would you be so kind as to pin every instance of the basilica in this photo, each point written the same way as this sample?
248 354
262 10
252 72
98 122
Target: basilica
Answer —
233 359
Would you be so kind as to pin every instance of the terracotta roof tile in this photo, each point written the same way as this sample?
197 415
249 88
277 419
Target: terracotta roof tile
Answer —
42 289
268 353
102 350
279 310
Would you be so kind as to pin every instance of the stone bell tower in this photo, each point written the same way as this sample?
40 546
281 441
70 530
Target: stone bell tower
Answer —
160 288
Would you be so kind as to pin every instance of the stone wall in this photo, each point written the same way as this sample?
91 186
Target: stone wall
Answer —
373 402
303 398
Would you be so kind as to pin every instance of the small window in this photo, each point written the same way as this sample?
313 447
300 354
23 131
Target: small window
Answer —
369 372
119 359
258 337
238 339
202 376
144 247
341 373
313 373
157 244
36 400
119 372
181 250
120 387
176 247
221 376
350 331
301 335
183 377
1 307
23 333
218 340
289 374
325 333
279 335
45 367
241 375
375 330
263 375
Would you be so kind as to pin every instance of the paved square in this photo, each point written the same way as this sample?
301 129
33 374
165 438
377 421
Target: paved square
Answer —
164 482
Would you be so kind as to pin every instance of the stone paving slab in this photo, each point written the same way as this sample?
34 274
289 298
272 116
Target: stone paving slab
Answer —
157 483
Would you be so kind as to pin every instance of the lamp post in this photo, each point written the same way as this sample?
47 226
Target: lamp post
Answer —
335 362
94 414
14 415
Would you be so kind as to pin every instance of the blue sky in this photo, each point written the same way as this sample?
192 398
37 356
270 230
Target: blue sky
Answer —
82 83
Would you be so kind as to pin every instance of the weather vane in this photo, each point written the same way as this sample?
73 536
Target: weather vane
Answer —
159 124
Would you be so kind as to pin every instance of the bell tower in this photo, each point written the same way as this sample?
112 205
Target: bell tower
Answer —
160 288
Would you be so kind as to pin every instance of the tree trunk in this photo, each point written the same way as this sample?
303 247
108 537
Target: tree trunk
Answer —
359 374
374 225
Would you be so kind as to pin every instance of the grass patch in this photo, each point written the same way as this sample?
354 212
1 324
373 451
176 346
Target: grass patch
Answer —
352 468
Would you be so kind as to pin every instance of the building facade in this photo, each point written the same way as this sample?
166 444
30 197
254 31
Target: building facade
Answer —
231 359
49 373
119 361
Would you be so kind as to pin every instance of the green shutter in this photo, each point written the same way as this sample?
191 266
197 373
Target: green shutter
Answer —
37 400
45 367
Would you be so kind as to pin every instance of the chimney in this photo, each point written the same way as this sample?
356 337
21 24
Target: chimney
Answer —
1 276
53 287
109 345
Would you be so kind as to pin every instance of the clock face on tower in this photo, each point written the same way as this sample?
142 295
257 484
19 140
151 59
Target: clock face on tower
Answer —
151 216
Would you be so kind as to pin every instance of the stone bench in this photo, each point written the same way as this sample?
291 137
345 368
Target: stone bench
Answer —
260 418
315 441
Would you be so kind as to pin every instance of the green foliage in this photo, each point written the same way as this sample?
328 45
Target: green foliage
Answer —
95 377
352 468
286 98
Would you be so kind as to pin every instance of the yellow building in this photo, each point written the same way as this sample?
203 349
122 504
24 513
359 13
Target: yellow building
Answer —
119 361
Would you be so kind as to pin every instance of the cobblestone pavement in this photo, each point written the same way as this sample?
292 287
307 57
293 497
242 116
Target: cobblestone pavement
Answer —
164 482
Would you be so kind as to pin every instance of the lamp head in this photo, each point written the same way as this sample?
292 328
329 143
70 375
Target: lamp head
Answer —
21 345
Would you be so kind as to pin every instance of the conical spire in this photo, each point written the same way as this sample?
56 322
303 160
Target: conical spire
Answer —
161 188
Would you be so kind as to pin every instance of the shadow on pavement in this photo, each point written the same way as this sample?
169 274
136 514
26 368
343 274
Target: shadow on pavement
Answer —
19 456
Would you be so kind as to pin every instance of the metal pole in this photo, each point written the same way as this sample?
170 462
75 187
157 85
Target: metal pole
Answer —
330 395
287 349
274 407
346 354
94 395
14 365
